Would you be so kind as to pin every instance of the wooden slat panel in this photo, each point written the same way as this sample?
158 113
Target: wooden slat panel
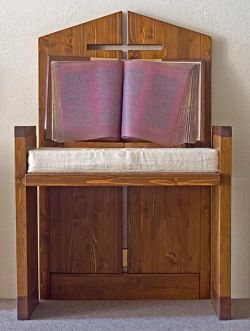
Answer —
188 44
146 54
164 230
146 179
85 230
141 29
125 286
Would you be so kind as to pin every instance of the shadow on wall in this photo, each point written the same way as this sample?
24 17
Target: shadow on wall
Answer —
231 106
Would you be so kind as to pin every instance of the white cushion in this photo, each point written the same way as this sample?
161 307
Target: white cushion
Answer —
123 160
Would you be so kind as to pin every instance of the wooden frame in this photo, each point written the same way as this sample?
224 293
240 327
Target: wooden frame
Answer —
26 226
212 264
221 225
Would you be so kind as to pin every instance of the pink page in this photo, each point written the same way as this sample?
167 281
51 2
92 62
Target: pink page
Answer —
89 99
153 97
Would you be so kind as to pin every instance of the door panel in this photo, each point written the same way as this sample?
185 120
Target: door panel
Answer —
164 229
85 229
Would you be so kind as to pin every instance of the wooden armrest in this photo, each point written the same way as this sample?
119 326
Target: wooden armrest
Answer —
222 142
25 139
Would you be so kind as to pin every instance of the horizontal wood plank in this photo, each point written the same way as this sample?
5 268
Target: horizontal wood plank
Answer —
124 286
139 179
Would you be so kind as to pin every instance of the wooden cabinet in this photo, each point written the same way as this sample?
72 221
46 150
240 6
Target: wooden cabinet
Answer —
168 218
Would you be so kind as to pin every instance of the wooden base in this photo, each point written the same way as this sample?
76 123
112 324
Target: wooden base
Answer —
124 286
222 305
26 306
168 237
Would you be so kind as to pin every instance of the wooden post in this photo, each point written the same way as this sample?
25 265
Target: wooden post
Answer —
26 226
221 226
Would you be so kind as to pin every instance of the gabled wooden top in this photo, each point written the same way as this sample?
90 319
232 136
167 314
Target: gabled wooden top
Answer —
176 42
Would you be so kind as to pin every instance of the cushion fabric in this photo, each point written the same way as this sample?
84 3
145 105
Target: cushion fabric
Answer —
122 160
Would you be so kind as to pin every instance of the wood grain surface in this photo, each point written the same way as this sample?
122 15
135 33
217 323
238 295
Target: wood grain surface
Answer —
72 41
125 286
221 228
164 230
133 179
86 231
26 227
177 43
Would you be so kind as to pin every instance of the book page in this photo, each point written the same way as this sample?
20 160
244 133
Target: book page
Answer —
48 110
86 99
156 97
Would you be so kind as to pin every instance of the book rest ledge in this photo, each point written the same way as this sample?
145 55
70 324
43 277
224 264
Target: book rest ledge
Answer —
142 179
26 214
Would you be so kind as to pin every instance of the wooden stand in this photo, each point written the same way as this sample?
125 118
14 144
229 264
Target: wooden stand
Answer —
82 236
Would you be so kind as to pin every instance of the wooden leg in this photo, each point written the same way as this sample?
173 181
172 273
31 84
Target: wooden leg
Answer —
26 227
221 228
27 251
221 253
44 239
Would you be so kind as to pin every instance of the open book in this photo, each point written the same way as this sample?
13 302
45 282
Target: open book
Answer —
153 101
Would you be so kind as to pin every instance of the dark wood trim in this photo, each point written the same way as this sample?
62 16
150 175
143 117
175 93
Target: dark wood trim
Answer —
25 131
221 229
26 228
26 305
144 179
222 305
205 242
124 286
222 131
44 239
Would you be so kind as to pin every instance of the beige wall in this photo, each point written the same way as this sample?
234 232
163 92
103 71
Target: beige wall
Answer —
227 21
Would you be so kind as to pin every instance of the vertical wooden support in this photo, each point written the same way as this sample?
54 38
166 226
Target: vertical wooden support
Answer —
205 242
26 227
221 226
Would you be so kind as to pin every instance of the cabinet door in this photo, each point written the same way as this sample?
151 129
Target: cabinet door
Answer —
164 230
85 230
